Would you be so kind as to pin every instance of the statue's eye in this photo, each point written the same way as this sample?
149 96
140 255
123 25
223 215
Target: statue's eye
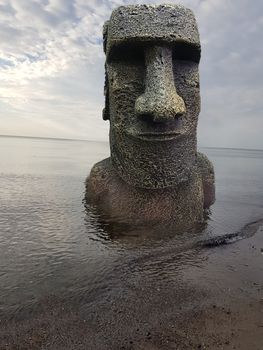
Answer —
127 54
186 52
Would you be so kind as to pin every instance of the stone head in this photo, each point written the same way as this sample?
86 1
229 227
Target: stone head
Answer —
152 93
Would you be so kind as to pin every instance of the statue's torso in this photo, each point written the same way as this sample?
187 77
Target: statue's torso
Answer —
182 205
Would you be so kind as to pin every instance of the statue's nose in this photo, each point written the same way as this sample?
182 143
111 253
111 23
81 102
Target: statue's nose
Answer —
160 101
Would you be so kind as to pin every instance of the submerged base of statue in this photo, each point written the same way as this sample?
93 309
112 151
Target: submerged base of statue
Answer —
182 205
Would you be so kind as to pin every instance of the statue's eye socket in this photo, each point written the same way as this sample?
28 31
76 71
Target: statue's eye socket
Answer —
127 54
184 52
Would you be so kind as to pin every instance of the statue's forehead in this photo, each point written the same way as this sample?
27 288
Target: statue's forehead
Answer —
168 23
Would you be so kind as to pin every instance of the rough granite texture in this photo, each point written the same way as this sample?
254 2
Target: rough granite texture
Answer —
152 100
166 23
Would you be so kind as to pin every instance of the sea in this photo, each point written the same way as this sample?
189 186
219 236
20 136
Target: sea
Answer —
53 245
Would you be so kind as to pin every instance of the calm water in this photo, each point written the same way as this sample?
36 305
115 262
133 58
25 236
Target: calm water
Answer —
51 245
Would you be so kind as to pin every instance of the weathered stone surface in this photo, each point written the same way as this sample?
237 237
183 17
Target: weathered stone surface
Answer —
163 23
152 101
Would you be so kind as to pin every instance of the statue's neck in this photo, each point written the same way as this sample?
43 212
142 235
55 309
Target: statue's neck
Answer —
154 165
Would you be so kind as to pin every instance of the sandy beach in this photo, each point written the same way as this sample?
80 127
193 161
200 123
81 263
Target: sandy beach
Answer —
68 281
216 302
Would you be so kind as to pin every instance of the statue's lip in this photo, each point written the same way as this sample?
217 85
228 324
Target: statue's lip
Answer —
155 136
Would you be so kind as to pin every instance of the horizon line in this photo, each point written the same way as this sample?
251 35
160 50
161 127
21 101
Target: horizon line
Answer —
86 140
50 138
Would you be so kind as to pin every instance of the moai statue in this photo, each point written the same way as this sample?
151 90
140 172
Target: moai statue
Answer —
154 173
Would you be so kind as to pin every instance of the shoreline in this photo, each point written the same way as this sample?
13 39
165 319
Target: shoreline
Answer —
216 302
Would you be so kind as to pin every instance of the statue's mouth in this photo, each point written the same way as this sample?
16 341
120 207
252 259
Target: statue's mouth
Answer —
156 131
155 136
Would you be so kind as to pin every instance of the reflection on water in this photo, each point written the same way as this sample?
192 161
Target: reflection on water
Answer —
51 244
117 228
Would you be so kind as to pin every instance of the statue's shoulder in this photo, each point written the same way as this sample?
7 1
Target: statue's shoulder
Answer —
207 173
101 168
205 166
98 180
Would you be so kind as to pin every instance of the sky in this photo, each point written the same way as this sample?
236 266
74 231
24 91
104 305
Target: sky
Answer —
52 69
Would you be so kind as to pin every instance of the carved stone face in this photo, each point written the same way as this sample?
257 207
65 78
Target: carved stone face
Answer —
152 93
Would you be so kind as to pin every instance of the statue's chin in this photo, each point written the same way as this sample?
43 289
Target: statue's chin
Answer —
153 165
147 181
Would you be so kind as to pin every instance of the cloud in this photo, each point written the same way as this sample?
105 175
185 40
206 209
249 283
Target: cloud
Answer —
52 69
231 77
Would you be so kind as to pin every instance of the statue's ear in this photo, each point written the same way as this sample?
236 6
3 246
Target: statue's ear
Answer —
106 109
105 35
106 112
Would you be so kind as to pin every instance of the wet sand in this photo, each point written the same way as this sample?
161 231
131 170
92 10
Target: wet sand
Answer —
214 302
